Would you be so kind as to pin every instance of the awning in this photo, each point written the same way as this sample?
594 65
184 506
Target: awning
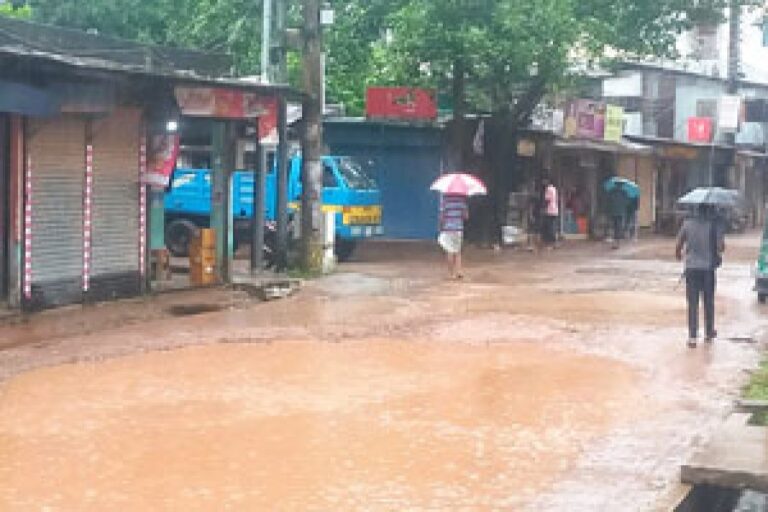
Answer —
624 147
23 99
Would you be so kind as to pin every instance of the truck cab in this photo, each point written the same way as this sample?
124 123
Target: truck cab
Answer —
348 191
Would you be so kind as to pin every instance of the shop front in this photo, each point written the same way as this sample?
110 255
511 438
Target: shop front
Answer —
74 161
580 170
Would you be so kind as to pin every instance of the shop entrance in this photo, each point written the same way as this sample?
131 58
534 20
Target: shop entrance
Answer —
4 203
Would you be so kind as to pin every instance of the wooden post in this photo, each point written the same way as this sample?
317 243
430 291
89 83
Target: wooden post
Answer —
222 167
281 258
259 204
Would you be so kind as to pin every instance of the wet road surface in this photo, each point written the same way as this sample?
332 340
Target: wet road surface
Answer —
551 382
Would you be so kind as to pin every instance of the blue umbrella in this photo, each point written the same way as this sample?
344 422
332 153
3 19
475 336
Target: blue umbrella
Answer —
629 187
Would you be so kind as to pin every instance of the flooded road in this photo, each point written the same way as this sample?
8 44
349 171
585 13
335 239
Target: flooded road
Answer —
552 382
380 425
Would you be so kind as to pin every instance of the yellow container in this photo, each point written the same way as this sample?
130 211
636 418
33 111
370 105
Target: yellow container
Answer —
207 238
202 258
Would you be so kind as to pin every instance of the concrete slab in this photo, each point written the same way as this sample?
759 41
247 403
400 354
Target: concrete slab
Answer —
735 458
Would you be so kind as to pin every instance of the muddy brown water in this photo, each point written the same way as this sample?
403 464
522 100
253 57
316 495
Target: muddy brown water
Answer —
381 425
551 382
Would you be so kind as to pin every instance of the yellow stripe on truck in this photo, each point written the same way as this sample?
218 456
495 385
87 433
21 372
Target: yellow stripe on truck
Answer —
333 208
351 215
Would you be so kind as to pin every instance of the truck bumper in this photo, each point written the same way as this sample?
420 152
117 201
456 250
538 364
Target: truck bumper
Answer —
358 232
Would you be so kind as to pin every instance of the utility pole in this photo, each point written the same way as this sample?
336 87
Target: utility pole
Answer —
266 41
280 73
734 63
312 140
734 46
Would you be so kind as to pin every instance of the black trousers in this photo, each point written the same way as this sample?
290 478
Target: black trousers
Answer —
700 283
618 228
550 229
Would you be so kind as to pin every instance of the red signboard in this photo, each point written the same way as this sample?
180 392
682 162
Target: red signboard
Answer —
699 129
230 104
401 103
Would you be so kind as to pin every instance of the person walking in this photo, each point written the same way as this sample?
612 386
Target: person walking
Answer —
551 213
617 209
701 241
454 211
633 203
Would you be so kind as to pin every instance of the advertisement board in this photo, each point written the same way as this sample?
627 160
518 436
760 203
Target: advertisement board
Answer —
700 129
405 103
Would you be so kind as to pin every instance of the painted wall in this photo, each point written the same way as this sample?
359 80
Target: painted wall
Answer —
404 160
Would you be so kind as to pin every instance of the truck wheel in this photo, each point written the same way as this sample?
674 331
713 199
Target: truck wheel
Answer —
761 298
344 249
178 236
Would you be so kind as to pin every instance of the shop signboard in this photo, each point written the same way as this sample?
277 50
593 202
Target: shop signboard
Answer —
585 119
699 129
219 103
729 108
614 123
406 103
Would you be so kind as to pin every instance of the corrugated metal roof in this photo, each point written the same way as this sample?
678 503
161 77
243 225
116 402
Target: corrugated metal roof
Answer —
94 52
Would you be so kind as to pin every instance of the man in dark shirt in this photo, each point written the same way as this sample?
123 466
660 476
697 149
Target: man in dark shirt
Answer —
701 241
453 212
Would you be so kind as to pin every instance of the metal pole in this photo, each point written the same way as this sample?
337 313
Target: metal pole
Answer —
282 184
259 206
281 15
266 35
312 175
734 58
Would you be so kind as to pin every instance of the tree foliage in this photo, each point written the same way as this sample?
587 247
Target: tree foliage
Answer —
14 11
505 46
232 26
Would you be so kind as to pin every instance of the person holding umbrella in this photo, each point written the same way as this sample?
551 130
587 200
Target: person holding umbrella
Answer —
454 211
622 193
702 243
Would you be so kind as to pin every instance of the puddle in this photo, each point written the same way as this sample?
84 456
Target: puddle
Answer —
375 426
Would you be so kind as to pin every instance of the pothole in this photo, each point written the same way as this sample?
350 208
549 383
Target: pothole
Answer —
194 309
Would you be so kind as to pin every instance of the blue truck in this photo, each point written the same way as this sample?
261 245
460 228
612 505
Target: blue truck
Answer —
348 191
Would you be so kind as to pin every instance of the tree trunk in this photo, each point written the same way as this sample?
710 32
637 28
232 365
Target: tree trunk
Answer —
312 143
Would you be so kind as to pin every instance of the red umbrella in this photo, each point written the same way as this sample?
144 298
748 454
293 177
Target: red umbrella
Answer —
459 184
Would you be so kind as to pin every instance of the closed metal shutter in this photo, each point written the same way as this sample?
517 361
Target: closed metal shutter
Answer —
54 225
115 232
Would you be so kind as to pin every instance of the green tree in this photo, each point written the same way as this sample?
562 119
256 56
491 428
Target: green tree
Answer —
15 11
232 26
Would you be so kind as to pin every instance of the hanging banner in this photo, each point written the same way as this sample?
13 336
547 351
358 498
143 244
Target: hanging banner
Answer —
614 123
729 108
163 151
699 129
585 119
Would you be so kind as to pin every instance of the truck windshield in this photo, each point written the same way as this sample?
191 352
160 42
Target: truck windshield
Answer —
355 175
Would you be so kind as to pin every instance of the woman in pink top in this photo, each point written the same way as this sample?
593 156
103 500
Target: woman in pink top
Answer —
551 212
